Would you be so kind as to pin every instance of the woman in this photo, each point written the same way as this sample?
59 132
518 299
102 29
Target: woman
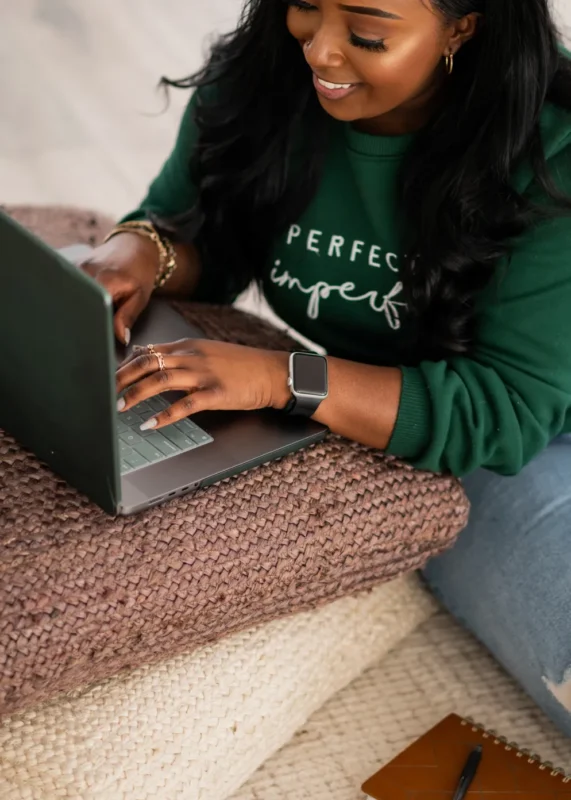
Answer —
396 177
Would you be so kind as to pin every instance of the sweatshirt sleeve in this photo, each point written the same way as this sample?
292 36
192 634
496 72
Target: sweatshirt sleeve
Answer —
173 192
503 405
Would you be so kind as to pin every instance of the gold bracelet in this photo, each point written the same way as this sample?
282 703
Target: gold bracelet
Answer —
168 267
167 255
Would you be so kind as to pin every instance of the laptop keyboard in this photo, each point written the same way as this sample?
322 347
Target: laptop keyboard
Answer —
138 449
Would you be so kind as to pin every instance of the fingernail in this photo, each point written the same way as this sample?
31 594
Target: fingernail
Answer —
149 424
127 337
121 404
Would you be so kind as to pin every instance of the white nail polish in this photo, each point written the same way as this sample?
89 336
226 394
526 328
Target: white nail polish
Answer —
149 424
121 404
127 337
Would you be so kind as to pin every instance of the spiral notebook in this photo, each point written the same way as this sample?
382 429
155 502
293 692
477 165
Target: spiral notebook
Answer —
430 768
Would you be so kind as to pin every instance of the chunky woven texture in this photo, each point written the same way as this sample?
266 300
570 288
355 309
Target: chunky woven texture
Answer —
83 596
437 670
198 726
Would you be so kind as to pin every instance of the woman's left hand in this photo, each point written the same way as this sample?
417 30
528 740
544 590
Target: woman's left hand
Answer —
215 376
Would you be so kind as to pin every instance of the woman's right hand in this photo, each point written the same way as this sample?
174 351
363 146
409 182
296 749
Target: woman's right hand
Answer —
126 266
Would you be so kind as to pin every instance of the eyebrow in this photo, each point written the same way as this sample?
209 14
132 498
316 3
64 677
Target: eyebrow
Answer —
373 12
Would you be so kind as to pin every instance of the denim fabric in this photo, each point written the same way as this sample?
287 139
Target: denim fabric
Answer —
508 579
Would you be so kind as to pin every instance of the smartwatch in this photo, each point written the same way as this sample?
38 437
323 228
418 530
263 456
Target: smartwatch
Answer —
309 383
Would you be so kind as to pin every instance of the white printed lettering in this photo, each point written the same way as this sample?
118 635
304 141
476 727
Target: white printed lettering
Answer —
337 243
374 254
312 241
357 249
385 304
294 233
389 258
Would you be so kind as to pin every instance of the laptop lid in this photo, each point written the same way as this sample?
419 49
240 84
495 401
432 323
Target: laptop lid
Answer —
57 357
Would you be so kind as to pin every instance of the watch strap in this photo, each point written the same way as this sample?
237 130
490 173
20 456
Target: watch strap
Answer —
303 406
291 405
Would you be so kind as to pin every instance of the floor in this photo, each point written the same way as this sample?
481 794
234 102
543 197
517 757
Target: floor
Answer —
82 121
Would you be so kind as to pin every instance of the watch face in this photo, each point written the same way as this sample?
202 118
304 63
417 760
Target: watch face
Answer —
310 375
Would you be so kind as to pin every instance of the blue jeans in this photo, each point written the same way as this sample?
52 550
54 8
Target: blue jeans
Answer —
508 579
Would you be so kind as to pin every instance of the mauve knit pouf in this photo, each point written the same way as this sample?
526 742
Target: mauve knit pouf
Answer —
84 596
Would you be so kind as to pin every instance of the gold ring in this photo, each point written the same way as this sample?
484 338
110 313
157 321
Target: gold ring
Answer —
159 356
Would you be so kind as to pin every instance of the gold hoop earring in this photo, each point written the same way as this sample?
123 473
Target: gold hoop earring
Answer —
449 60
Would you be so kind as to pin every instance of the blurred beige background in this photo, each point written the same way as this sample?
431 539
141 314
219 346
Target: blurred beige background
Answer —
81 120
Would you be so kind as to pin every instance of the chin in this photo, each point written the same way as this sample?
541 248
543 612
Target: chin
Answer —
346 111
339 109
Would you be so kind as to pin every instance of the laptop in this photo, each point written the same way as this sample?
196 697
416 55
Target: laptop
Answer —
58 358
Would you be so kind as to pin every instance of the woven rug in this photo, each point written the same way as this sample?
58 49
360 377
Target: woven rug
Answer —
437 670
197 726
84 596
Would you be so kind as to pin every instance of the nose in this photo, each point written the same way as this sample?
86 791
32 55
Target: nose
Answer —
323 51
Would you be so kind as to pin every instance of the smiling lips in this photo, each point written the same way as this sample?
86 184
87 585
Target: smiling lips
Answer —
333 91
328 85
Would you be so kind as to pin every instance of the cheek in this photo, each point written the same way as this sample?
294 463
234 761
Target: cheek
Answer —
405 68
298 24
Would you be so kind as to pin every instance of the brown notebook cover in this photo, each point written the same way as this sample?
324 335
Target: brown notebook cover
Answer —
431 767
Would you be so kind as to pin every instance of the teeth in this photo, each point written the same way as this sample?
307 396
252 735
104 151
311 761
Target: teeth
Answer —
328 85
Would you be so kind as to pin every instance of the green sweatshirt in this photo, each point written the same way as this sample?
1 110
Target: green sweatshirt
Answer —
334 277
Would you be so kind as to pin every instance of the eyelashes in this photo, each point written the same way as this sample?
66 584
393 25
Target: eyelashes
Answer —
377 46
300 5
373 46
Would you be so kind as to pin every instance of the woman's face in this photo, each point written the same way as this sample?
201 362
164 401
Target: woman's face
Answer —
382 61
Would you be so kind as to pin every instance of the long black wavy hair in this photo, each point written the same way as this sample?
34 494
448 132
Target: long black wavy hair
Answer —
256 172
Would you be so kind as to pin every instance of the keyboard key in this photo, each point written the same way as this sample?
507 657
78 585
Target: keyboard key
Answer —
136 460
191 429
142 408
149 452
146 434
121 427
186 426
124 449
201 437
180 439
157 403
131 419
125 466
132 438
164 445
146 416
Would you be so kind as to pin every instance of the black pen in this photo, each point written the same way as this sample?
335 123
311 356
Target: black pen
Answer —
468 773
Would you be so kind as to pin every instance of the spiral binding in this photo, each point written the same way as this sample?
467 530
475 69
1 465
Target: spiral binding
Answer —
532 758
